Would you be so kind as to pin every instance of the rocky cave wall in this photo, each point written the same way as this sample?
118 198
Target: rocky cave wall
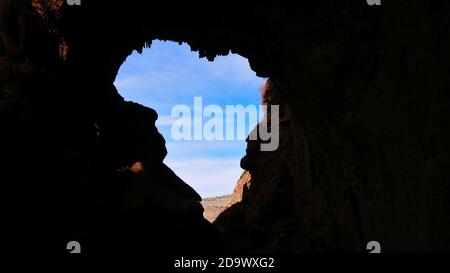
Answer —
364 151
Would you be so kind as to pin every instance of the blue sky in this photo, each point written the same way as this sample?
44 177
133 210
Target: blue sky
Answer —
169 74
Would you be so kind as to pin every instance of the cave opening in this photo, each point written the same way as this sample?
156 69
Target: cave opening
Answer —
169 75
363 155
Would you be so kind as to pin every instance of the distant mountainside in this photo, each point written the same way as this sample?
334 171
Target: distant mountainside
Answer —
213 206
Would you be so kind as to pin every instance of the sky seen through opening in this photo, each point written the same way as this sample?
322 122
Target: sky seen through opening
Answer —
169 74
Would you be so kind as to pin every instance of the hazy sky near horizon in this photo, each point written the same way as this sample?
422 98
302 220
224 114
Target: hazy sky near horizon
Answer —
169 74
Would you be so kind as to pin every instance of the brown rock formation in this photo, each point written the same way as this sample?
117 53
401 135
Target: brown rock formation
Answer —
241 189
278 209
214 206
364 149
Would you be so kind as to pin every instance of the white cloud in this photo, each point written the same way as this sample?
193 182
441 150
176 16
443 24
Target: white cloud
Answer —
166 120
172 68
209 149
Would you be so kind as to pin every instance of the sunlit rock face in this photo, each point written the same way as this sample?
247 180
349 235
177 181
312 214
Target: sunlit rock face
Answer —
242 186
364 151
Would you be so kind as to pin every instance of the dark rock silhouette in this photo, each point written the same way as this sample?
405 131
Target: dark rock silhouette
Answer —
364 149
